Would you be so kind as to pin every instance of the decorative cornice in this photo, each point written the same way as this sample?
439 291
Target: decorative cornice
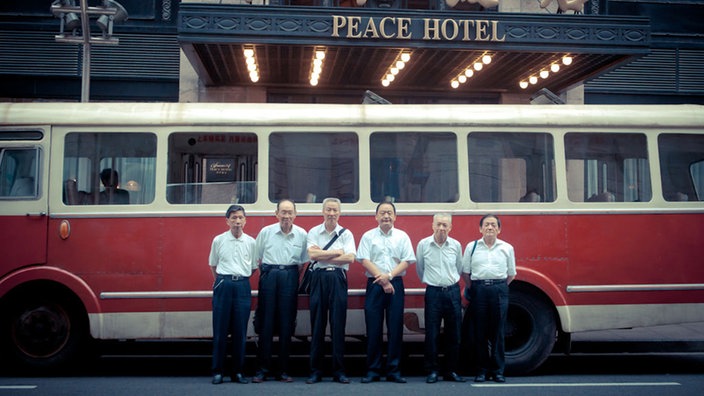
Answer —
511 31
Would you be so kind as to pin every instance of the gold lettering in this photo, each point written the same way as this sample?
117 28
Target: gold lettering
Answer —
454 28
495 31
382 27
353 27
338 22
467 25
481 31
370 30
431 29
404 26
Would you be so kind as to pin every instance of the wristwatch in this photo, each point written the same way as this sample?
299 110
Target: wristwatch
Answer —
391 277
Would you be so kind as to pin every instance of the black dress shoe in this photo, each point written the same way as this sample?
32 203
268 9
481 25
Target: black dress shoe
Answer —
285 378
240 379
217 379
259 378
480 378
370 378
432 378
314 378
499 378
342 379
452 376
396 378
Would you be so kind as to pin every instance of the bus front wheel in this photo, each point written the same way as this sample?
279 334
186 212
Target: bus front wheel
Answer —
530 332
43 331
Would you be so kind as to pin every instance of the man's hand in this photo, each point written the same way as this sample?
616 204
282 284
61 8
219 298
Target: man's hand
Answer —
383 281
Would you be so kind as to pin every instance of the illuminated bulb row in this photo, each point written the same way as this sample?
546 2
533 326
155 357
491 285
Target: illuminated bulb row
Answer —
251 62
545 73
316 66
469 71
396 66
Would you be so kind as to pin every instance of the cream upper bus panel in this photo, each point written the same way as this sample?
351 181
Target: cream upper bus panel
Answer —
257 114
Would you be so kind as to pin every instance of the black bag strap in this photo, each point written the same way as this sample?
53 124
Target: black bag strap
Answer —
337 235
334 239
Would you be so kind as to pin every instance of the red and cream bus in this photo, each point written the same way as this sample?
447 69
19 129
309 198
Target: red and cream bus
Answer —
604 205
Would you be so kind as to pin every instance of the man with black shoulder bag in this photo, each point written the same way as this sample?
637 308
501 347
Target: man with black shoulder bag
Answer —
328 290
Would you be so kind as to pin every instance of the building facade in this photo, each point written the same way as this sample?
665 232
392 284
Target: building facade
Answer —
459 51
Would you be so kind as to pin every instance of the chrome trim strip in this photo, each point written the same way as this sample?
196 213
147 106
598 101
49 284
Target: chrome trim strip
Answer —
209 294
631 288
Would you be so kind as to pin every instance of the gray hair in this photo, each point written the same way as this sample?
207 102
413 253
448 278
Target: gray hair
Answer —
441 215
331 199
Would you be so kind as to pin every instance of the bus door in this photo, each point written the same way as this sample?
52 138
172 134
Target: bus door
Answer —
23 197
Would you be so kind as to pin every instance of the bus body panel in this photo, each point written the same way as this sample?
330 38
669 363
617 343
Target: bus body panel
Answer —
141 270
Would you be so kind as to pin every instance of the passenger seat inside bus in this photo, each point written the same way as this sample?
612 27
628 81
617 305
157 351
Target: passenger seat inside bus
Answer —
605 196
23 187
71 194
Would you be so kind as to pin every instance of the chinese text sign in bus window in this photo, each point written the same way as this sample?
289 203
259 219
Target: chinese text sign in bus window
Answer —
212 168
413 167
682 166
109 168
511 167
607 167
309 167
19 176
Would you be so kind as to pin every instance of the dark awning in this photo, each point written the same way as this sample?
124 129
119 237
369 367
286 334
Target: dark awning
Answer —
361 44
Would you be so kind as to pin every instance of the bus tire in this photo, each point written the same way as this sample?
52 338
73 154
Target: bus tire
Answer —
43 328
530 331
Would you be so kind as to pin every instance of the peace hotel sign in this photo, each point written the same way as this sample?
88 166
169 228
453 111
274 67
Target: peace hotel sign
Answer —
393 27
389 27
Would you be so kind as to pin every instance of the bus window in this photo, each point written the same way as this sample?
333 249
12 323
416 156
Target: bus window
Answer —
682 166
109 168
607 167
413 167
18 173
308 167
511 167
212 168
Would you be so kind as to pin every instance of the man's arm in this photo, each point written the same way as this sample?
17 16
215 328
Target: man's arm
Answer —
317 254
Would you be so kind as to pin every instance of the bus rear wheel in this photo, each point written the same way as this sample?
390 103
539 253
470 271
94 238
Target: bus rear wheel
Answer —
530 332
43 333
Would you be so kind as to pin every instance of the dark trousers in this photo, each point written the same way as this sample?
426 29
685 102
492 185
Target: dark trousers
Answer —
377 307
232 300
489 308
276 309
328 301
442 304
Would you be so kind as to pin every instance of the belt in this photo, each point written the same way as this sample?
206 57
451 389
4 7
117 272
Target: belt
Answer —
488 282
233 278
329 269
268 267
444 288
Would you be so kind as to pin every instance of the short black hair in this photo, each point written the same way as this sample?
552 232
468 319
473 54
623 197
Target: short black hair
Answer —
234 208
385 202
498 222
285 200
